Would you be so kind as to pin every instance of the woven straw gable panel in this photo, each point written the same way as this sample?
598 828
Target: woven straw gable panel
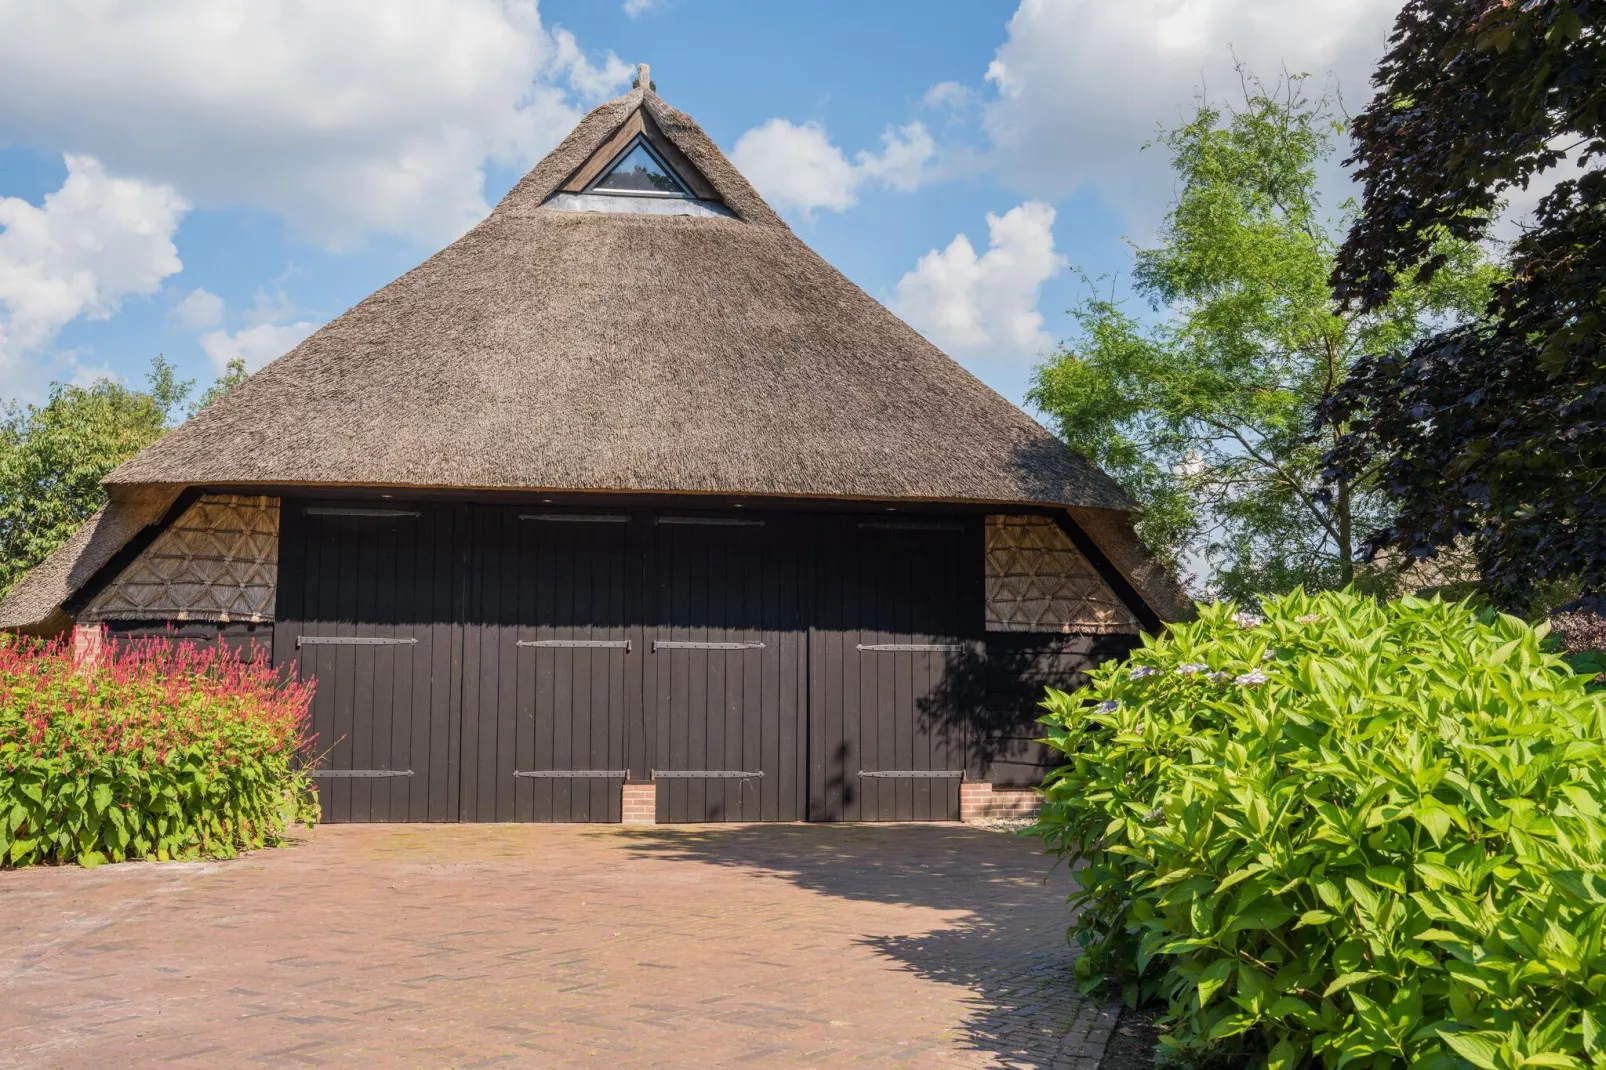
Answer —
217 562
1037 581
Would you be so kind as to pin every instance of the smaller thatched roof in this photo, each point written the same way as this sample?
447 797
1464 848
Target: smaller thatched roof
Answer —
34 604
1111 531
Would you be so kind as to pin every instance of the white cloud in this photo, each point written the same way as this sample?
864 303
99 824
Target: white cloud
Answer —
948 95
798 166
904 156
986 305
198 310
96 240
1083 84
344 116
636 7
255 345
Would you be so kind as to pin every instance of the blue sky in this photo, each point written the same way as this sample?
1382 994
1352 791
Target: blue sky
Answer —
211 178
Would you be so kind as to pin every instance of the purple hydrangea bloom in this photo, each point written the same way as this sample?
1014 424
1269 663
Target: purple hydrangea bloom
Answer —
1108 707
1143 670
1251 679
1192 668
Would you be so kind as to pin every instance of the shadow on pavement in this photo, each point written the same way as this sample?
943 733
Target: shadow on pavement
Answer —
1008 948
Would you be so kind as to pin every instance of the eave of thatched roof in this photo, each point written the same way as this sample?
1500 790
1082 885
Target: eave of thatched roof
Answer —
561 350
34 603
1112 532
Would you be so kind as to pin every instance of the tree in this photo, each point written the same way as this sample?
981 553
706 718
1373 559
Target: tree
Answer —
53 457
234 374
1489 434
1208 414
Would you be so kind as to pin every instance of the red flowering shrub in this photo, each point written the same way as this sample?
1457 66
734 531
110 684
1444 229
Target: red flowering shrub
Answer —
160 751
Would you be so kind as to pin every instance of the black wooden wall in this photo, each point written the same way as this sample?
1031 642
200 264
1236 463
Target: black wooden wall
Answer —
517 662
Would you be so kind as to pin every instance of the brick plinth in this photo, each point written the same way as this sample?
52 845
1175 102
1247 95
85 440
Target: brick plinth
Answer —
640 803
88 645
980 801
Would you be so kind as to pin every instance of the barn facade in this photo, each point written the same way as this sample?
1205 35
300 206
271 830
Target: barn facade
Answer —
627 506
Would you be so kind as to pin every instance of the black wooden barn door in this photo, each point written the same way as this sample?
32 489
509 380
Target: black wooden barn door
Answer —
725 662
893 675
368 602
550 667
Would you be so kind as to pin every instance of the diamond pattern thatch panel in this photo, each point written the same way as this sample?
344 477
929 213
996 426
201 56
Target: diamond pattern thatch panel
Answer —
218 561
1037 581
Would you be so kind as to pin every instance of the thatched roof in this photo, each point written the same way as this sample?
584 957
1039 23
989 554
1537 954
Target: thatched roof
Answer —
34 603
568 350
564 350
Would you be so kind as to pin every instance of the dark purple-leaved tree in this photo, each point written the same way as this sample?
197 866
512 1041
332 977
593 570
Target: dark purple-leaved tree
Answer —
1491 435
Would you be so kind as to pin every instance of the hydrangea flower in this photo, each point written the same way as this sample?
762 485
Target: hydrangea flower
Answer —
1108 707
1251 679
1268 655
1245 620
1219 677
1192 668
1143 670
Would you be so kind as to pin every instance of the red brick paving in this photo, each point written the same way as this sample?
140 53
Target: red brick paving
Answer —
481 945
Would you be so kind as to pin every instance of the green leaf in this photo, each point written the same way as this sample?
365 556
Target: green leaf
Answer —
1345 980
1434 818
1214 976
1591 1030
1587 887
1480 1049
1389 877
1231 1026
1263 915
1284 1055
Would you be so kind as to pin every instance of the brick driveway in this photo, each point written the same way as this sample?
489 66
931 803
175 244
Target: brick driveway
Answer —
787 945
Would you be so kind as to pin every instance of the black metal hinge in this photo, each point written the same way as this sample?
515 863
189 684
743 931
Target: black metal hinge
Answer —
675 644
350 640
578 644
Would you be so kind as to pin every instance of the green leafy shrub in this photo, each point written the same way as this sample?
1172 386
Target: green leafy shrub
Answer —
1343 834
160 751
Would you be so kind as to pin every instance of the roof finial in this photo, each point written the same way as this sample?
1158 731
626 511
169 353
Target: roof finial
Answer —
643 77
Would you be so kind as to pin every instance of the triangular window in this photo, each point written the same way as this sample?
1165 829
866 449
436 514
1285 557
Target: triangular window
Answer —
641 172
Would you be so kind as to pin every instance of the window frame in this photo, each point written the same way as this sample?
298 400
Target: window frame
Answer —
641 141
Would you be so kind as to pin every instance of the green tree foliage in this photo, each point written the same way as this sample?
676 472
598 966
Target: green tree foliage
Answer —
1206 415
1344 834
233 375
53 457
1491 434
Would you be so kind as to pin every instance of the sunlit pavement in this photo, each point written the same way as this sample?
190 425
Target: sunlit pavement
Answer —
519 945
